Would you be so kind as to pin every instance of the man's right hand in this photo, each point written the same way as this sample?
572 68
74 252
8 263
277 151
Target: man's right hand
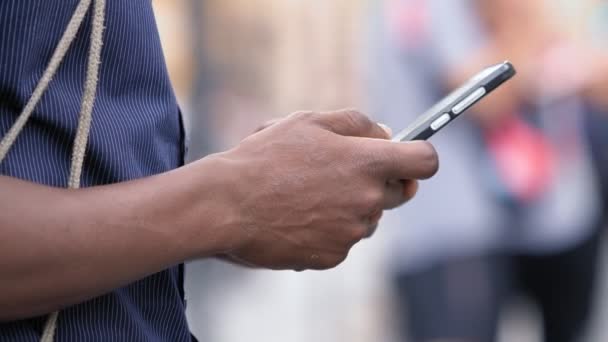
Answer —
296 195
309 187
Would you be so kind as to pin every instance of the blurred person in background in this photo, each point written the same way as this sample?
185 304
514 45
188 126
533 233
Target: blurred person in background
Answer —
593 25
516 205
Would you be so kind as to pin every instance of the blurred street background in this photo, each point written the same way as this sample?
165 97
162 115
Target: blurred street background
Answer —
505 244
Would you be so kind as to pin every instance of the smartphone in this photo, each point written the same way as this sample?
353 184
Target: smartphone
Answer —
456 103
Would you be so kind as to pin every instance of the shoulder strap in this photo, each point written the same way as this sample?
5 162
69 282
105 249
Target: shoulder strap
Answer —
86 108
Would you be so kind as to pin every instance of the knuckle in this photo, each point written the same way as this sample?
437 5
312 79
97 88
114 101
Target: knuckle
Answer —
322 262
358 233
357 120
335 260
268 124
304 115
410 189
373 199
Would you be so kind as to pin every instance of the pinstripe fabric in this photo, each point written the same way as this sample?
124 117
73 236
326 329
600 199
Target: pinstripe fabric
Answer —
136 132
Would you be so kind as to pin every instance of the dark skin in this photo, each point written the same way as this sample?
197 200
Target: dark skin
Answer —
297 195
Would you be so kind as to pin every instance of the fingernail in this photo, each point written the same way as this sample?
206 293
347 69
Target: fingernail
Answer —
387 129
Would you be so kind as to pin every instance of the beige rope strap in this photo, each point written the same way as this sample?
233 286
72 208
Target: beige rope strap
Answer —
86 108
60 51
88 98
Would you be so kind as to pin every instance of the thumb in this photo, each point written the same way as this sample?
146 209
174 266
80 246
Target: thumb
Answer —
349 122
267 124
387 129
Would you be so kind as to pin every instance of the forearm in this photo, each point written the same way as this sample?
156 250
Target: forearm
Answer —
60 247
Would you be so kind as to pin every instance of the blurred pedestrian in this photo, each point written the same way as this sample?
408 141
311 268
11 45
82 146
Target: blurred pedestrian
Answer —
515 206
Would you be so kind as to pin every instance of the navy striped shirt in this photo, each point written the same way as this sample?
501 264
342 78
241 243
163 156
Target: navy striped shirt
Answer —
136 132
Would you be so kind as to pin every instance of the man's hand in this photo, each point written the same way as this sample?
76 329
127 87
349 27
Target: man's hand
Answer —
309 187
297 195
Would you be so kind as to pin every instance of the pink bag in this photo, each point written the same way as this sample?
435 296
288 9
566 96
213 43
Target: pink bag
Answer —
524 158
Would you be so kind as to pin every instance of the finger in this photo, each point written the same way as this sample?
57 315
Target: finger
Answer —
410 188
321 261
375 217
393 194
372 230
398 192
349 122
396 160
387 129
235 260
373 222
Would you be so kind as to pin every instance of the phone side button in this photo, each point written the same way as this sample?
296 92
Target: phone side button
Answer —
469 100
440 122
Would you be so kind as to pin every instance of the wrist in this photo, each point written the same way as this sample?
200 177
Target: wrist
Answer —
210 210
